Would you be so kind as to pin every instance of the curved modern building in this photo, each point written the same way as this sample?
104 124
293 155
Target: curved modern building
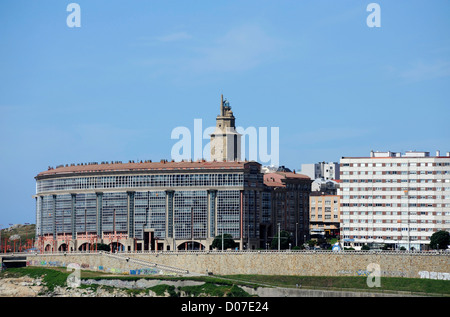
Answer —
167 205
148 205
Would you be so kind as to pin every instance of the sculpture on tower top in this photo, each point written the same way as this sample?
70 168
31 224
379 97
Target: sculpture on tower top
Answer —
225 108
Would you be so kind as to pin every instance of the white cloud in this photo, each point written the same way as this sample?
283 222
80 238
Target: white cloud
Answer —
426 70
238 49
241 48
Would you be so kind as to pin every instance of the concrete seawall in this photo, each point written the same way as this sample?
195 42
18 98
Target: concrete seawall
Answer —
305 263
414 265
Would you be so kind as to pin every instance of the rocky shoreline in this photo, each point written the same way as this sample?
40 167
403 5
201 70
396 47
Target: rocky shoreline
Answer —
20 287
31 287
34 287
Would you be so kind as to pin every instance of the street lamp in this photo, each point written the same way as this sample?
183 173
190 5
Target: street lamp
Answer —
279 237
192 228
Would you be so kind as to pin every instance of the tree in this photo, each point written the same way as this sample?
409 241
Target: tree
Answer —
440 240
228 242
285 239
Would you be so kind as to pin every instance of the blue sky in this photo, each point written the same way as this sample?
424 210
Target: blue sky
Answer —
116 87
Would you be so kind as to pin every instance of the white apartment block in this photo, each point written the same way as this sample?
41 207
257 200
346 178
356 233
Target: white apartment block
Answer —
394 198
321 170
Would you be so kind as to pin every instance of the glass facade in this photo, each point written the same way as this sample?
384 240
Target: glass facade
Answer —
140 181
228 213
182 207
47 214
115 212
63 206
252 207
150 213
190 214
193 213
212 212
85 213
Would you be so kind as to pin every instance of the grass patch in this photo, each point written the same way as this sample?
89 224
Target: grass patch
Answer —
207 279
50 277
161 289
349 282
209 289
230 285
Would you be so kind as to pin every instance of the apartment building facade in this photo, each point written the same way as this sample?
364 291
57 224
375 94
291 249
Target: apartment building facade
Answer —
289 198
394 199
324 211
325 170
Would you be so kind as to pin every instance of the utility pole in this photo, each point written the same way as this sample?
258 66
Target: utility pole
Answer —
192 228
279 237
173 230
114 229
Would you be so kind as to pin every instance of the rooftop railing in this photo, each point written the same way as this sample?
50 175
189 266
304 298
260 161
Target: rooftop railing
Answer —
342 252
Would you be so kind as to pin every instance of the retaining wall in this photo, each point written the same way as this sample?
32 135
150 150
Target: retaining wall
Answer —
416 265
306 263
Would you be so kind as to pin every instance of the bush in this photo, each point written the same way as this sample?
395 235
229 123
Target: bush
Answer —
285 239
228 242
210 289
162 288
440 240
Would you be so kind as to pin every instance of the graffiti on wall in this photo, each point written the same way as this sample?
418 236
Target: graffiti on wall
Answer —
85 266
435 275
362 272
422 274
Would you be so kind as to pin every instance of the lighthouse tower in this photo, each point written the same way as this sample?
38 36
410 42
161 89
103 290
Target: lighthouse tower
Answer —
225 141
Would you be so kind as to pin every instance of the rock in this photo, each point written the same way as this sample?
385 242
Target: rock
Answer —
19 287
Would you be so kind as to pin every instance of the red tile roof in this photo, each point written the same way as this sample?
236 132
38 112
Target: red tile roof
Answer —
150 166
276 179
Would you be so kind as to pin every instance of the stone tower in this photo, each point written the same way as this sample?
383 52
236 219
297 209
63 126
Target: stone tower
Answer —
225 141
